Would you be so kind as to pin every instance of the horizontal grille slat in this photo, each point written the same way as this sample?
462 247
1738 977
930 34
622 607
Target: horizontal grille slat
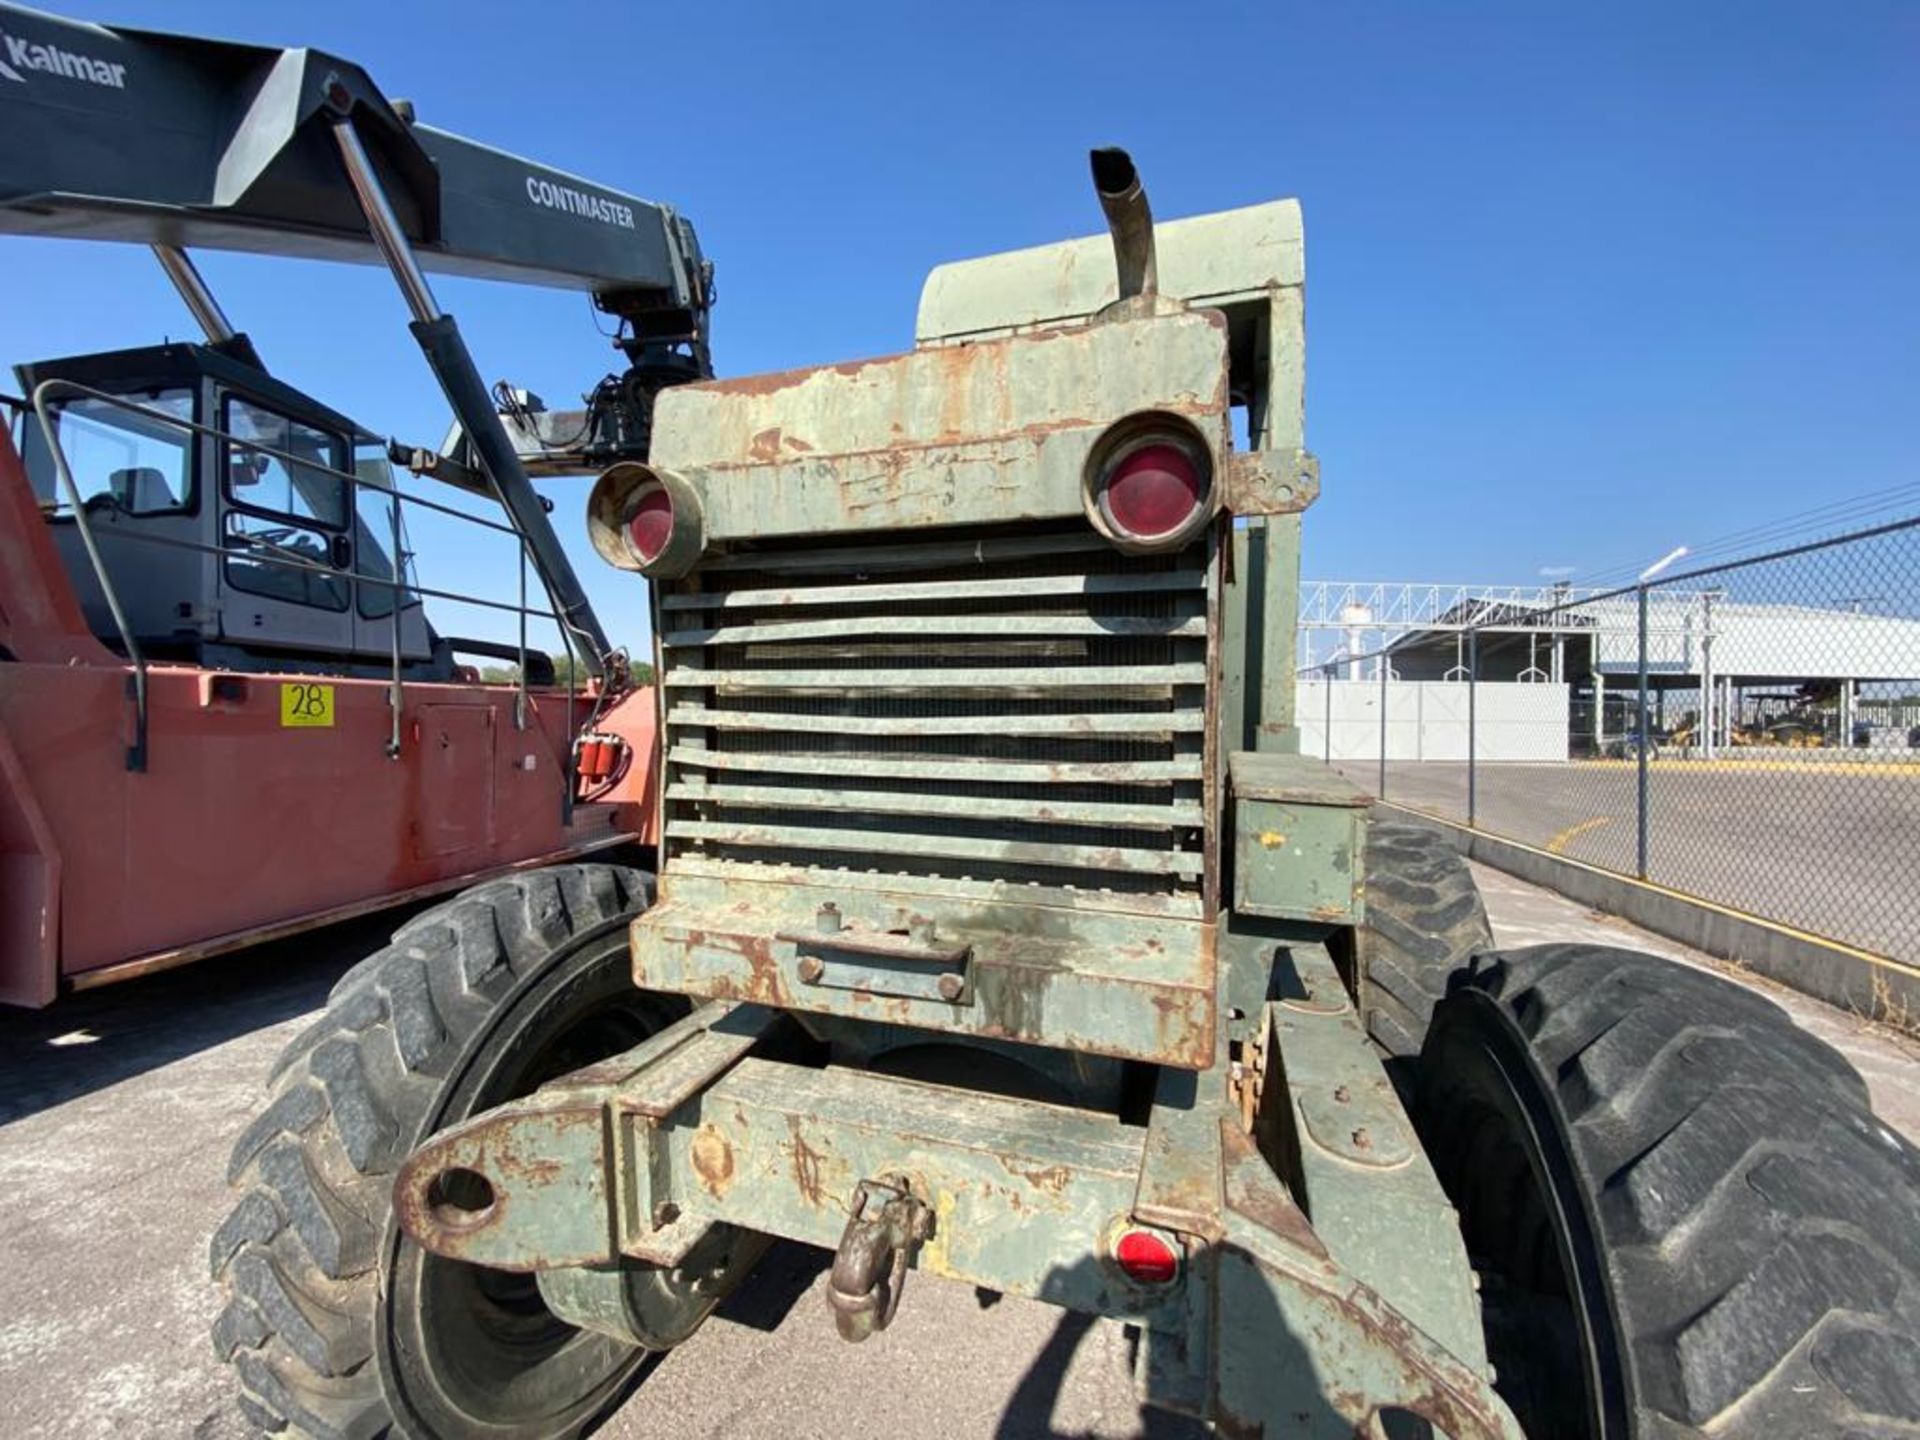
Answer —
1097 583
1114 677
869 560
891 802
1076 724
928 626
1023 707
1115 859
1125 772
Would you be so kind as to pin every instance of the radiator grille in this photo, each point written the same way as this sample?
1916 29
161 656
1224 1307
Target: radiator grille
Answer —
1020 707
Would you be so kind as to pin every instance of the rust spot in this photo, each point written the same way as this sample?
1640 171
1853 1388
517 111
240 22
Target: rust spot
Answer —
1051 1178
806 1165
713 1161
766 445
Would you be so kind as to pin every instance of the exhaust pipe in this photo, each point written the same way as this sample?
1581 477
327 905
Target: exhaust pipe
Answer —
1128 218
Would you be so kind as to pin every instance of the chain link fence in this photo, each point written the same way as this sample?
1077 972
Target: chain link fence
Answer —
1747 734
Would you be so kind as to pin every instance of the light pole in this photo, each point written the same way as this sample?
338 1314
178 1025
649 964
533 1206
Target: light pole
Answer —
1644 740
1679 552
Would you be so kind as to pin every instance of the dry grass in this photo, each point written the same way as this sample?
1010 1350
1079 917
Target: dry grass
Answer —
1890 1010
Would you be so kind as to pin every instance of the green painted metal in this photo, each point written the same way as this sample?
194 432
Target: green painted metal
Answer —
1352 1162
1153 722
1035 679
1091 905
947 770
943 590
1299 833
1191 626
1213 260
1139 772
885 802
1091 980
991 433
1266 1320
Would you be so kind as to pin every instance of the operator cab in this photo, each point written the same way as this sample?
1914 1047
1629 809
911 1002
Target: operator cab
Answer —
241 523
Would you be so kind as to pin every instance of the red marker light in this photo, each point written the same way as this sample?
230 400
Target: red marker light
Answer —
1153 491
650 524
1147 1257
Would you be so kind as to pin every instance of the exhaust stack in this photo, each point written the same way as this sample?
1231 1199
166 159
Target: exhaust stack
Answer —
1128 218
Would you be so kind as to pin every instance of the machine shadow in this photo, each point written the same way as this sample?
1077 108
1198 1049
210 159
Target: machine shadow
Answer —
1268 1386
1031 1408
784 1275
87 1041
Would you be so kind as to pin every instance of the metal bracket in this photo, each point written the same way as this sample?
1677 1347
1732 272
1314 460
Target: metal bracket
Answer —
870 1267
1271 482
911 963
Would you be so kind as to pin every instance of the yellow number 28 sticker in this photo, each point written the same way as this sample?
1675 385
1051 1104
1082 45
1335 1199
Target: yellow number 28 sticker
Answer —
303 705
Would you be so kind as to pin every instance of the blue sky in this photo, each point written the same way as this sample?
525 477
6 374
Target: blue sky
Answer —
1582 286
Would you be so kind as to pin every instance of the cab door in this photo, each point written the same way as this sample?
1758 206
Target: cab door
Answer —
286 531
381 585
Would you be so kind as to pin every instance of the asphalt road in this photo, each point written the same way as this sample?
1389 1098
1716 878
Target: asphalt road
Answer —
1824 846
117 1111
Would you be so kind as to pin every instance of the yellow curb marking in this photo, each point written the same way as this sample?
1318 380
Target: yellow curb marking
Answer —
1558 844
1906 769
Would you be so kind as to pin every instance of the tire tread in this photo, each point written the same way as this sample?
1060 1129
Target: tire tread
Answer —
1757 1220
297 1256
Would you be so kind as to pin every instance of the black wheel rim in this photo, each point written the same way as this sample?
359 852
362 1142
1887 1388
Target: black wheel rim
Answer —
476 1351
1499 1143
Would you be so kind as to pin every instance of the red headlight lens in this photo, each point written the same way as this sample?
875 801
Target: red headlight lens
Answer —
650 525
1153 491
1147 1258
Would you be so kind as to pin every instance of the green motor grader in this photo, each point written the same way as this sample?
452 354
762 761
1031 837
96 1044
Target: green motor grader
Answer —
1002 934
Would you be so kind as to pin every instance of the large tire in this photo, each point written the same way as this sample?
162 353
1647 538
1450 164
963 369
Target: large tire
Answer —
1424 924
1687 1220
337 1324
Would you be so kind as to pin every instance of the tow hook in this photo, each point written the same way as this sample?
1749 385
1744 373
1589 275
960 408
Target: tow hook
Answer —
870 1267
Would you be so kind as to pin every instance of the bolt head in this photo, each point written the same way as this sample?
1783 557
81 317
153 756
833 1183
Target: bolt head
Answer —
950 986
812 967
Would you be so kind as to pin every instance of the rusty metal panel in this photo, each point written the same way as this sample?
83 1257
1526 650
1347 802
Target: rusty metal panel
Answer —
1307 1349
1108 859
1292 779
1092 981
693 873
1022 1194
991 433
1360 1177
887 802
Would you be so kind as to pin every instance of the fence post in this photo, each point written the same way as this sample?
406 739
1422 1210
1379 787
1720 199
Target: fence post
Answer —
1473 716
1326 734
1640 807
1381 663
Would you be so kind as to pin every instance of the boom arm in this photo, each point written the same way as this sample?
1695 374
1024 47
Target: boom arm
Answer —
133 135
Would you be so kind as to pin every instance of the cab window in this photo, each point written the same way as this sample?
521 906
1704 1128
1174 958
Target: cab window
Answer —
380 516
140 464
306 486
283 534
